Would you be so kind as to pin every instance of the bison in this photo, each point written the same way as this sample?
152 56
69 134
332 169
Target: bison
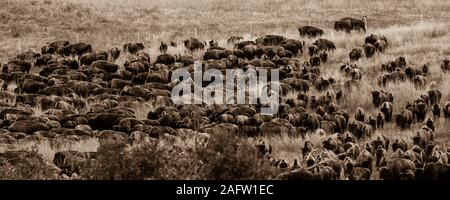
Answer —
356 54
310 31
404 119
398 169
360 114
387 108
445 65
380 96
133 48
270 40
348 24
324 44
369 50
446 109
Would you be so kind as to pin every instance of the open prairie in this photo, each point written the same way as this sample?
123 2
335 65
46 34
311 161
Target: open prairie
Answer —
67 117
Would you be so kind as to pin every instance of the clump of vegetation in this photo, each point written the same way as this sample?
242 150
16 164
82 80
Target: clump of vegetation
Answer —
221 159
26 165
227 159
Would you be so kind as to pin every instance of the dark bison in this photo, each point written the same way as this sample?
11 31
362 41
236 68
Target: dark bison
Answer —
166 59
29 56
446 109
324 44
386 108
423 138
313 50
380 96
372 121
398 169
270 40
314 60
360 114
356 54
242 44
163 47
323 56
436 109
404 119
429 122
356 128
105 66
114 53
72 161
380 120
399 143
372 38
89 58
234 39
310 31
434 96
420 110
411 72
184 59
434 171
77 49
133 48
369 50
445 65
348 24
294 46
16 66
399 62
173 43
419 82
194 44
54 47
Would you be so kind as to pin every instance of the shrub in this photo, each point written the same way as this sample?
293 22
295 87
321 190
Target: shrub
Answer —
117 161
228 158
26 165
221 159
110 163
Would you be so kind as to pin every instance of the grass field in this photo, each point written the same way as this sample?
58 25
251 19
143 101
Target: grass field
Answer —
418 30
27 24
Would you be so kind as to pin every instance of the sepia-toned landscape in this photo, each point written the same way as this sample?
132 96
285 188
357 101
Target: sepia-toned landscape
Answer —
85 90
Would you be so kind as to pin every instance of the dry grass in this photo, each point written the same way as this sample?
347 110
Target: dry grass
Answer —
27 24
48 147
416 29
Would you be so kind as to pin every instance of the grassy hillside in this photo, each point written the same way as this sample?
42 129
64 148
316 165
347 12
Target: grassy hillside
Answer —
27 24
418 30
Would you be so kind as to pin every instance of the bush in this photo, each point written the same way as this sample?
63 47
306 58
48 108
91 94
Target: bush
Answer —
229 158
119 161
26 165
222 159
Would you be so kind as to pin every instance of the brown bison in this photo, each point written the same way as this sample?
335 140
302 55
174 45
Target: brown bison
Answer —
348 24
324 44
369 50
380 96
404 119
398 169
270 40
360 114
446 109
193 44
387 108
356 54
445 65
310 31
133 48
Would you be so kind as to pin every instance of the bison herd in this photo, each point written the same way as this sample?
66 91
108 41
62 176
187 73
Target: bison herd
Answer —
84 92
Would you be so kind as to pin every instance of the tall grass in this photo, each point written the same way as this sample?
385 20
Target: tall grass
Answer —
412 31
28 24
